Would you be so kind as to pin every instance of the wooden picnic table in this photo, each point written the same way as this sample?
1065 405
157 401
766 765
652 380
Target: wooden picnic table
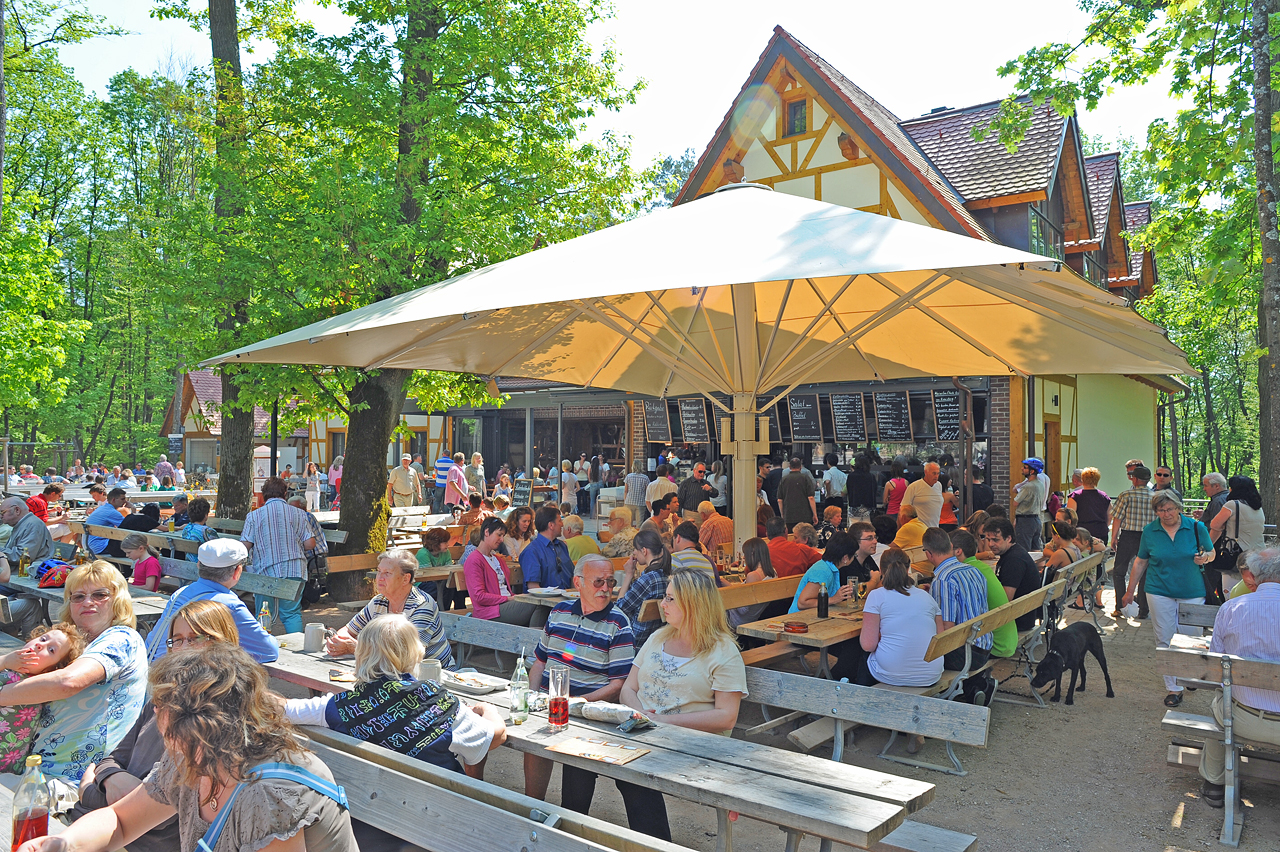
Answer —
843 803
843 623
147 605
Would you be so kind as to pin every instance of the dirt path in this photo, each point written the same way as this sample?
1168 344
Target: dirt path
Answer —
1090 776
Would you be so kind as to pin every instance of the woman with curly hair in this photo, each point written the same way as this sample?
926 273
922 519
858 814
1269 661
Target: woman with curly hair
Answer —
223 735
519 531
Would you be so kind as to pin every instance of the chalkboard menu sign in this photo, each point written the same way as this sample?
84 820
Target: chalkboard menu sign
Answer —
805 422
850 421
775 431
946 414
693 421
522 492
893 416
657 422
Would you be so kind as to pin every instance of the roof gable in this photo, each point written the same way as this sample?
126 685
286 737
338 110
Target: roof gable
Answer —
202 396
1142 262
1106 201
870 122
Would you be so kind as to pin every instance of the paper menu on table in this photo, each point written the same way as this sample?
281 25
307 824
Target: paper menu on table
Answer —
599 748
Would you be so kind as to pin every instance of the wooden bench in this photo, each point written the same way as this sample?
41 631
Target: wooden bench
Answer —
1226 671
284 588
765 591
450 812
159 541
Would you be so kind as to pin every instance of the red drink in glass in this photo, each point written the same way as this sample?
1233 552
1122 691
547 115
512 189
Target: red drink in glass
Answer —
558 712
29 825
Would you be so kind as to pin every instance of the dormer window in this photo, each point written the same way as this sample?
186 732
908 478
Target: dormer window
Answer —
797 118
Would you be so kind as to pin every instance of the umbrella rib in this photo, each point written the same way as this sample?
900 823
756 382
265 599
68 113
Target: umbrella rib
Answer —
683 334
669 360
876 319
427 337
715 340
673 355
574 313
844 328
930 312
820 319
616 349
773 333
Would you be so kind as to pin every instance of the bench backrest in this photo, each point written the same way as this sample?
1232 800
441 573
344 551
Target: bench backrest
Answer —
231 525
424 805
289 589
159 542
913 714
509 638
746 594
955 637
1206 666
1196 615
354 562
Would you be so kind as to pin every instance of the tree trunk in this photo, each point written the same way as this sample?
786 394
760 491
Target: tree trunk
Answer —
1269 303
376 403
235 471
4 115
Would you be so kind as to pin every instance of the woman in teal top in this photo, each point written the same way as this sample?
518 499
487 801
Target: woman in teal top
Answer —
1172 550
840 551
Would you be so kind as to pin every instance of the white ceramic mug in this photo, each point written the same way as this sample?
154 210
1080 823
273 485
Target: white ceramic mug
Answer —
430 669
313 638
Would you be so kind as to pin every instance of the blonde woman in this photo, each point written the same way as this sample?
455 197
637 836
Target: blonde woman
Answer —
690 672
390 707
568 484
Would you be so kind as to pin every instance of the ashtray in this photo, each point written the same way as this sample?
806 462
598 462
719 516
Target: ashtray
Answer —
795 627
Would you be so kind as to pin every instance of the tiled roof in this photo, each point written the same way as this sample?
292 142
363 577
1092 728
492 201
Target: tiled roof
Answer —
207 386
1136 216
1100 172
986 169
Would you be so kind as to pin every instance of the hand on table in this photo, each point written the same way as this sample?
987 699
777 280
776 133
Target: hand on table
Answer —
842 594
336 646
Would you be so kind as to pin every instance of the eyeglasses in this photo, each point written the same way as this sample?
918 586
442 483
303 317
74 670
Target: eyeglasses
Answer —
600 584
99 597
1163 475
179 641
869 537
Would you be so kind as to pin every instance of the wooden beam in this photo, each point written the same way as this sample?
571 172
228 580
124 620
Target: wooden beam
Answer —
1006 200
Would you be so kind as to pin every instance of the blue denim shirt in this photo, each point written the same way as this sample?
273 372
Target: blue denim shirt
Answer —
547 563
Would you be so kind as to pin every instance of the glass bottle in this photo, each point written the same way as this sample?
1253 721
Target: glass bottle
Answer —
24 563
823 611
31 804
264 617
518 690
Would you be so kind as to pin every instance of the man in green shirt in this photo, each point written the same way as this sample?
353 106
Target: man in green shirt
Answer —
1005 638
579 544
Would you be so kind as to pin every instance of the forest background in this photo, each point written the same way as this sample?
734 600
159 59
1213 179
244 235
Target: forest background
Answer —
189 210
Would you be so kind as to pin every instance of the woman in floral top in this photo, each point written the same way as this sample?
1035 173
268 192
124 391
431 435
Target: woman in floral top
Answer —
92 703
50 649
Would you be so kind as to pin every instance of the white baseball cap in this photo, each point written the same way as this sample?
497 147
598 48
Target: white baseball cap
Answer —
223 553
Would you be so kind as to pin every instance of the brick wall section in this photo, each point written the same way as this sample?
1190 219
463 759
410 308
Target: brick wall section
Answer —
999 426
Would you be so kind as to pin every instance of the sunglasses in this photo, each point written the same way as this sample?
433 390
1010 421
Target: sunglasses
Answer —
98 597
600 584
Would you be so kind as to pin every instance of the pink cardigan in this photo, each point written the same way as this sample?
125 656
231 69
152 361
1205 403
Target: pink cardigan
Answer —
482 585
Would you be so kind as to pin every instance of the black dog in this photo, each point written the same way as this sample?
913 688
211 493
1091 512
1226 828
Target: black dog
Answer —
1066 651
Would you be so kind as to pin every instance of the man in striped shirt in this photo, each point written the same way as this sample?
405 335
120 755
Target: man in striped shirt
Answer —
961 593
442 475
593 639
1130 512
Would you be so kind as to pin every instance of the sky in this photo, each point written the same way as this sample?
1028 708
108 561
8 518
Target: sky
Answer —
695 55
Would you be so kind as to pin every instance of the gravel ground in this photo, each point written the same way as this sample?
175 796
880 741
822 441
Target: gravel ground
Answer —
1089 776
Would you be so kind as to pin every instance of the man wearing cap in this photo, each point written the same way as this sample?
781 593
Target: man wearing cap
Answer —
402 484
221 562
1130 512
1028 502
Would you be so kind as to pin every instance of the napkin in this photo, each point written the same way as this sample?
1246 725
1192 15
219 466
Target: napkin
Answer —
604 711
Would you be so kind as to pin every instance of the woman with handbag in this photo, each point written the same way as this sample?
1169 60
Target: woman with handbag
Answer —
1236 529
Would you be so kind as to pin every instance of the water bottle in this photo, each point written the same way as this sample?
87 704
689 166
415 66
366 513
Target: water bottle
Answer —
264 617
31 804
822 602
518 691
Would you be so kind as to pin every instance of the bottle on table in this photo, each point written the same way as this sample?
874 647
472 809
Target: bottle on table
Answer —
823 610
171 523
31 804
264 617
518 691
24 563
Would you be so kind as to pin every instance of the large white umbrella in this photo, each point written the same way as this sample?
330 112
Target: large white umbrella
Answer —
745 293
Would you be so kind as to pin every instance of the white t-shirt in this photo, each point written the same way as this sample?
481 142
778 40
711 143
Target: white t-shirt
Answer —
836 477
907 625
927 500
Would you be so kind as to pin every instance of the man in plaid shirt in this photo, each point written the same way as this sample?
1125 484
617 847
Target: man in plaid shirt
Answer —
278 537
1130 512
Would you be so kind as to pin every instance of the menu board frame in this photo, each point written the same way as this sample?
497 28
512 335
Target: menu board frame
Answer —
685 406
905 396
805 437
653 410
937 422
522 490
844 437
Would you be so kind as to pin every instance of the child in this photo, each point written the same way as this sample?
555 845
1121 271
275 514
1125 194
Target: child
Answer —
146 564
50 648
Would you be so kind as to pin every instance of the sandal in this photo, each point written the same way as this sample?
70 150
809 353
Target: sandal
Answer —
1074 606
1173 699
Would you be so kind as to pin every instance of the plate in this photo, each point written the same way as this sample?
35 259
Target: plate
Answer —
472 683
570 594
545 592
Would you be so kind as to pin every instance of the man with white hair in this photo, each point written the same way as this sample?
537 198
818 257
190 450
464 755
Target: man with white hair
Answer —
925 494
163 469
1216 489
716 529
579 545
621 542
1247 626
221 562
29 534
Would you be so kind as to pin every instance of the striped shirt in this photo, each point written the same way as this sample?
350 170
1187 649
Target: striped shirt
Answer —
277 530
636 485
1249 626
961 593
690 559
422 613
1133 509
442 470
714 531
596 648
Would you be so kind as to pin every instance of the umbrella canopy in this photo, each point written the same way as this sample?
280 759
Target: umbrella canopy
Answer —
742 293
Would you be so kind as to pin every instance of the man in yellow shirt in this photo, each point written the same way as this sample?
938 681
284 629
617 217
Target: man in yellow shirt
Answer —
910 528
579 544
402 484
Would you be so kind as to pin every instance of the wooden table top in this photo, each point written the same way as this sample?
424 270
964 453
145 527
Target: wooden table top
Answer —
844 622
705 768
144 602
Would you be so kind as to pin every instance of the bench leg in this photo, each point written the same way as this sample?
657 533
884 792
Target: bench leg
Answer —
837 750
824 663
724 831
954 769
1233 810
793 839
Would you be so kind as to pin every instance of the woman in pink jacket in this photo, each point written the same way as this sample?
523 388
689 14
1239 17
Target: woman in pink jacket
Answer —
489 580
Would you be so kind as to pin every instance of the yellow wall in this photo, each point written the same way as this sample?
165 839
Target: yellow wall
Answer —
1117 423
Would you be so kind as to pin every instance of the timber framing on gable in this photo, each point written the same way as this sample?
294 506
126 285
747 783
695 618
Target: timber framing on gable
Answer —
837 112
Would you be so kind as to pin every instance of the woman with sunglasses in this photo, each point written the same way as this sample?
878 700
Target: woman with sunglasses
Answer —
92 703
193 628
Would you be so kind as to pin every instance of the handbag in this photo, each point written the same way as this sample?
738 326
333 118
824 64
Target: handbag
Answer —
1228 547
317 573
279 771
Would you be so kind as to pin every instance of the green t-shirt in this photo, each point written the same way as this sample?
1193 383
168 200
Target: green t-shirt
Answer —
1004 640
580 545
426 560
1238 589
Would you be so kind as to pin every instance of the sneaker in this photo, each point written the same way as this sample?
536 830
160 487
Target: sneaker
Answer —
1214 795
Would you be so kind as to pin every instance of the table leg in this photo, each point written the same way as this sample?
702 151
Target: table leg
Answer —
824 663
724 831
793 839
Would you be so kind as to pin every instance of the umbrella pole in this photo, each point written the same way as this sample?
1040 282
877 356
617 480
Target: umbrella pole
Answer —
745 450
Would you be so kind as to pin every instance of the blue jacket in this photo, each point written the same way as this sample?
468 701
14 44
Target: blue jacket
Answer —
547 563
